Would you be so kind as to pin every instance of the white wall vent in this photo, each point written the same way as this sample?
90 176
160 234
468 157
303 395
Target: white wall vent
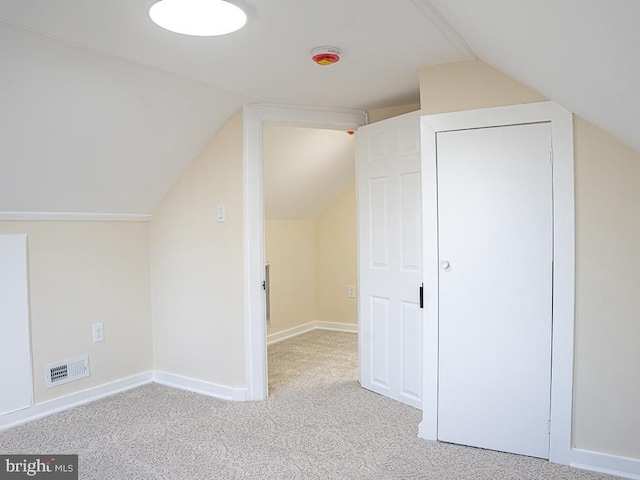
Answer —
66 371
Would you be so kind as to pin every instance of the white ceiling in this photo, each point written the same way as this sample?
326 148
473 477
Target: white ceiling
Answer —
305 170
269 60
102 111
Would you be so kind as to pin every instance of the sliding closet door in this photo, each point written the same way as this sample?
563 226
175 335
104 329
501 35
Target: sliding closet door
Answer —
15 350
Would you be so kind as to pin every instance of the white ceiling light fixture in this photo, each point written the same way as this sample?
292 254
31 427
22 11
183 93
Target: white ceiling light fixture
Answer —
201 18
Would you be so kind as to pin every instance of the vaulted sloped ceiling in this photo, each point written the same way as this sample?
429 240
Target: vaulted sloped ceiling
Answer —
583 54
305 170
101 111
84 133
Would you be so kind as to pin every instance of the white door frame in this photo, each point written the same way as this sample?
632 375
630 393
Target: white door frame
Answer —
564 257
254 116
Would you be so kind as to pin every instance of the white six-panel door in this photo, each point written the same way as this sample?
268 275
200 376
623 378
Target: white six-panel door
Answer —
390 257
495 216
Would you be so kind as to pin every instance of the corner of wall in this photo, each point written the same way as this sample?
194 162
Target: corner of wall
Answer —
197 267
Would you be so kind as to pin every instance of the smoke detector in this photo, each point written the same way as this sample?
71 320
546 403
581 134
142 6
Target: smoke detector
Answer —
326 55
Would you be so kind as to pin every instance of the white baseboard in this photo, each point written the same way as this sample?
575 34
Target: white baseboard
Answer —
603 463
308 327
337 327
583 459
89 395
72 400
593 461
290 333
200 386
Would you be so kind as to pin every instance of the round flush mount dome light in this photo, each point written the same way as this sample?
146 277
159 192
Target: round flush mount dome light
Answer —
202 18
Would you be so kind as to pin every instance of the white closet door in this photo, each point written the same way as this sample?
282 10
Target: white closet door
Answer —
390 257
15 351
495 282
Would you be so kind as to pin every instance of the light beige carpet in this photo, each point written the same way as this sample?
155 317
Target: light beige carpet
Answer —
317 424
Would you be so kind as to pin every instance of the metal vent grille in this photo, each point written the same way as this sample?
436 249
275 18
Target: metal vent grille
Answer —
67 371
59 373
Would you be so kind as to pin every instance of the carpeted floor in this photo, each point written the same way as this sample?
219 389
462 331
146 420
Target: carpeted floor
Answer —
317 424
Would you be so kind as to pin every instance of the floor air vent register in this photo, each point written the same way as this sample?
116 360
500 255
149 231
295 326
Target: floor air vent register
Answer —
67 371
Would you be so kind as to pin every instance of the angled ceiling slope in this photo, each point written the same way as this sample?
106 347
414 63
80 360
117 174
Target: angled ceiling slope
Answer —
84 133
103 110
305 170
583 54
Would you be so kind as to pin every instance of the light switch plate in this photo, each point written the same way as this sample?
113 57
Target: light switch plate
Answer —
220 213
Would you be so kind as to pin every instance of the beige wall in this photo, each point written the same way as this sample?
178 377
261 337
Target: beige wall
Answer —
606 416
312 263
607 386
291 252
197 267
337 261
469 85
378 114
81 273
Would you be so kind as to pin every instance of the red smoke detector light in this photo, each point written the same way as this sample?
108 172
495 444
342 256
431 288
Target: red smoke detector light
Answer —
326 55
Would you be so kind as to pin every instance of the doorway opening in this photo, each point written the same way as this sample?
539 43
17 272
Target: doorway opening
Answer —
255 117
310 246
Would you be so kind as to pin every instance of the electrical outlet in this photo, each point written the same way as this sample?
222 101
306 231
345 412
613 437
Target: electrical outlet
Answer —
98 332
351 291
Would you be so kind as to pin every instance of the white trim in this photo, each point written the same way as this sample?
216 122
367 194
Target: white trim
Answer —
603 463
73 217
337 327
309 327
67 402
253 118
564 257
200 386
290 333
25 244
92 394
306 116
254 300
441 23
